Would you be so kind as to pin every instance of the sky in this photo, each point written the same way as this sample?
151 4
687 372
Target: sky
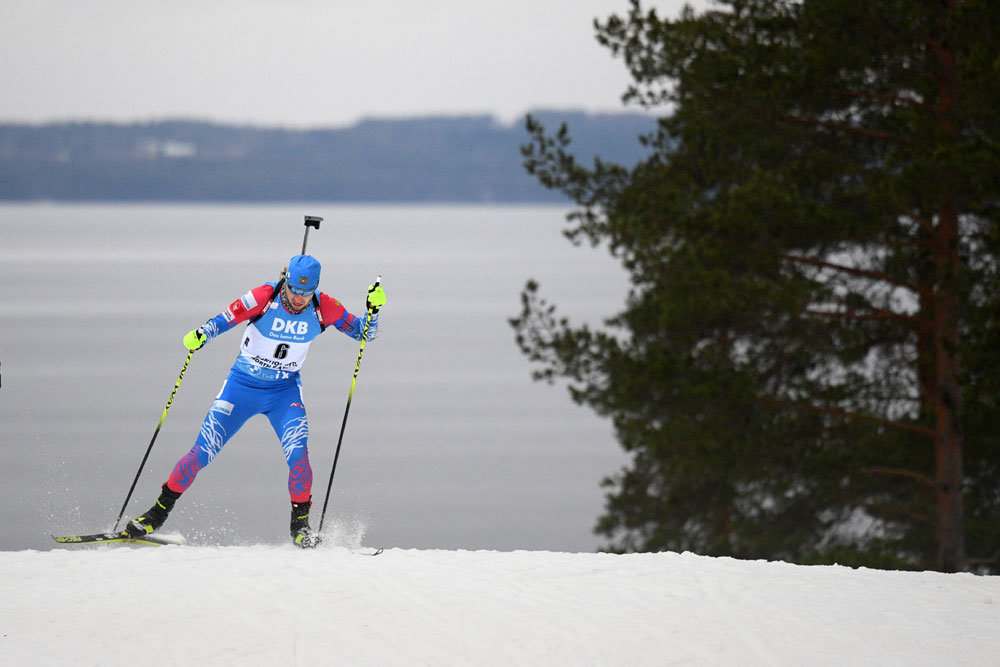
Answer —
278 605
306 63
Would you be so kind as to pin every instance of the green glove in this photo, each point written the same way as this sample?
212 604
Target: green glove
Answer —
195 339
376 297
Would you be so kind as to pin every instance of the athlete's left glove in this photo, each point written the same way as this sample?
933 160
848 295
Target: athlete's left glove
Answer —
376 297
195 339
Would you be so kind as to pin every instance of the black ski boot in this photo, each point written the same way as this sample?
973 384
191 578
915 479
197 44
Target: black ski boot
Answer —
302 534
155 515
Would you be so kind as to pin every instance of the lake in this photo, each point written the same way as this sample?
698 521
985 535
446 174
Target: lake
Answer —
449 443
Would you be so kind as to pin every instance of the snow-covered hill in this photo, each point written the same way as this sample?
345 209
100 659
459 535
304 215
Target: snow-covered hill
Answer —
277 605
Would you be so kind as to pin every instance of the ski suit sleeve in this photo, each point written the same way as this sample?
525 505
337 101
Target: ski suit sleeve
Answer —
334 312
241 310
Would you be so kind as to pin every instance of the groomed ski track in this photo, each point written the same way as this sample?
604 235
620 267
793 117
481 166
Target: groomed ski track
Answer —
279 605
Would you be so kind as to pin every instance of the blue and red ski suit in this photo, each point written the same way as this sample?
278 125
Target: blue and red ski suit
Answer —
265 380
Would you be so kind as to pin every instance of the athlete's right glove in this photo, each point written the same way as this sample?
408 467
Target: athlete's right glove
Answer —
195 339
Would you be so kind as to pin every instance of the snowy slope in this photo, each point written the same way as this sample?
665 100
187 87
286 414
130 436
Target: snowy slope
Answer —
277 605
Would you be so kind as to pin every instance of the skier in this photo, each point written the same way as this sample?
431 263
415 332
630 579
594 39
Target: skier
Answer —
284 318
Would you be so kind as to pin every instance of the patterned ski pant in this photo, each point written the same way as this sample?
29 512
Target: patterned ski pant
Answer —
241 398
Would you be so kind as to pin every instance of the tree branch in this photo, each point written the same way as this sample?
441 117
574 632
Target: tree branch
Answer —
843 126
921 479
880 97
922 518
874 314
862 273
926 224
985 561
852 416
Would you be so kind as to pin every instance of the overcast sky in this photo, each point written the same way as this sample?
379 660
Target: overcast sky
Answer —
305 63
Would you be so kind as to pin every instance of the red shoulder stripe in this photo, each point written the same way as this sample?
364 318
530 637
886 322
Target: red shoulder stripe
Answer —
330 308
248 305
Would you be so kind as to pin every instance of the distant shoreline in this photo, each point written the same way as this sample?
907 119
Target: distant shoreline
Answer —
440 159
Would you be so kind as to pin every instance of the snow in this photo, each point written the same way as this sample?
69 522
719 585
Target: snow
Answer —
279 605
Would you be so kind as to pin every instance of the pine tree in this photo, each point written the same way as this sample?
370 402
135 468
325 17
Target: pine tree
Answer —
805 367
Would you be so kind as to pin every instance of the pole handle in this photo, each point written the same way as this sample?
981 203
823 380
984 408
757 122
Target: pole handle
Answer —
378 281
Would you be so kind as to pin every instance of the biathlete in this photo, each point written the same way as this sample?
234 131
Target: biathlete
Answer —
284 318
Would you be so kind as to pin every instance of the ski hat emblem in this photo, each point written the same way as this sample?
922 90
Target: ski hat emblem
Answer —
303 273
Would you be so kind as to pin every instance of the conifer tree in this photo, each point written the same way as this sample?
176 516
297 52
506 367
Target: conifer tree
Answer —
806 367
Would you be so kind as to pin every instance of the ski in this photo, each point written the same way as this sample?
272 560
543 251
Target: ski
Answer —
159 541
367 551
118 538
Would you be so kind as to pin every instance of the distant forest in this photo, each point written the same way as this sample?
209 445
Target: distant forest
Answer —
431 159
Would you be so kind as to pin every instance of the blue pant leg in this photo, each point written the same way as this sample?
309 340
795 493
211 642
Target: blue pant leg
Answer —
231 409
287 414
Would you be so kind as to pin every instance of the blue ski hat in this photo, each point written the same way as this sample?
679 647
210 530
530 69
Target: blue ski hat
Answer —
303 274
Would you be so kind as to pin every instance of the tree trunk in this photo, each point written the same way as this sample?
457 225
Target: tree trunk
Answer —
948 400
948 435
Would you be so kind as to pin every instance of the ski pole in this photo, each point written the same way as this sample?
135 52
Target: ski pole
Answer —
343 424
153 439
311 221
